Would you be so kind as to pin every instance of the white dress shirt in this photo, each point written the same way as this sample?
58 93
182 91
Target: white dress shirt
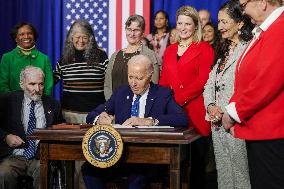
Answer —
39 114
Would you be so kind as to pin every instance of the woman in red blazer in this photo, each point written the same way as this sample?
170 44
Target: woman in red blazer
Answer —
186 66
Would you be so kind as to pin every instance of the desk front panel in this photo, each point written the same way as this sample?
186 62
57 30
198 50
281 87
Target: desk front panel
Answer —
132 153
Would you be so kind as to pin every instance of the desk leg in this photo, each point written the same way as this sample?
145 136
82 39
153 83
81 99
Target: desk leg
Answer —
44 165
186 168
175 168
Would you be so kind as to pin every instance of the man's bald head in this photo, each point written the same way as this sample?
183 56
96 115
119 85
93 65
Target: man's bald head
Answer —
204 16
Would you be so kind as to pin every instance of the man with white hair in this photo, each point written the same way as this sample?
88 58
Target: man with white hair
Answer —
140 103
204 16
21 112
156 105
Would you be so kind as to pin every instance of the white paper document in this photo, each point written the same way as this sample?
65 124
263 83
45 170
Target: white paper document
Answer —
117 126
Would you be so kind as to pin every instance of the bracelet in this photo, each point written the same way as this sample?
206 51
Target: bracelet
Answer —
211 104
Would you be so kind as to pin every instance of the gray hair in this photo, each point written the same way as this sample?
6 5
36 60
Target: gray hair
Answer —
29 70
142 60
91 53
204 10
192 13
136 18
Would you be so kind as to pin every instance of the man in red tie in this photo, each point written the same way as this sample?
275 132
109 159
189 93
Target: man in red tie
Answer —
255 112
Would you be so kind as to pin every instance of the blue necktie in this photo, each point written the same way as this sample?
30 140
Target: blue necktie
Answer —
30 150
135 107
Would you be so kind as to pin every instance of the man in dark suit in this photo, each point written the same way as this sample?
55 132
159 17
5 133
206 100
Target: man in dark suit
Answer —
21 112
157 105
141 103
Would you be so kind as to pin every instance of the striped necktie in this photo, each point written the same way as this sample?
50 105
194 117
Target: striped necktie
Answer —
135 107
31 148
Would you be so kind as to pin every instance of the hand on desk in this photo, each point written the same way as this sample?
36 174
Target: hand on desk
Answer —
136 121
105 119
14 141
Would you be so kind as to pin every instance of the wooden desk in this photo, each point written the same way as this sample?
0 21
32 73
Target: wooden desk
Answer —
153 146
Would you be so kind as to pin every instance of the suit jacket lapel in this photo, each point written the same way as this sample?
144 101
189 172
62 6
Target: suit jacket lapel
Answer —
126 104
189 54
18 110
48 112
253 45
235 56
150 99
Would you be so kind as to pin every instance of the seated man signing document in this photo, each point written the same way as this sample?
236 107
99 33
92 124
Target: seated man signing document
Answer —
141 103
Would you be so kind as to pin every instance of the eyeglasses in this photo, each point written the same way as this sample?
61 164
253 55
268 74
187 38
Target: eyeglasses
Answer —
129 30
243 5
83 37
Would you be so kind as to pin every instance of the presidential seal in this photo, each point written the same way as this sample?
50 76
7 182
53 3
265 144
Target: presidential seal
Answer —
102 146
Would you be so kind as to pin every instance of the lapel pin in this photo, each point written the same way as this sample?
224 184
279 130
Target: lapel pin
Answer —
49 112
152 99
127 97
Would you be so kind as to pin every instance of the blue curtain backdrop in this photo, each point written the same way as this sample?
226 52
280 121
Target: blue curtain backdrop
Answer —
47 17
171 6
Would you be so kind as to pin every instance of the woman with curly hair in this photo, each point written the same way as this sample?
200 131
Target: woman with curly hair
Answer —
230 153
82 68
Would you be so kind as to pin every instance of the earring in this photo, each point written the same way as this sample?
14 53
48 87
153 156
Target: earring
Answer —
239 32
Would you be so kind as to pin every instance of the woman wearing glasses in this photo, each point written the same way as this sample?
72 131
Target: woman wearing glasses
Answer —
230 153
116 74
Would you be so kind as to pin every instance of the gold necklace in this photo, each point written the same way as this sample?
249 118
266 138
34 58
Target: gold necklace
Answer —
184 44
27 50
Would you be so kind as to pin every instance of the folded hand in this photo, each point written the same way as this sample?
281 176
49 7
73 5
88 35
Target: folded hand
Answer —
105 119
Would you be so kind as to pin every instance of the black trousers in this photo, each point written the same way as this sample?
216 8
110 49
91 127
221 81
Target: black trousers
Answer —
266 163
199 150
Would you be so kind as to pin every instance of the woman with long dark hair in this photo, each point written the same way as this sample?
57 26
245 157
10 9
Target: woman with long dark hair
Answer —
230 153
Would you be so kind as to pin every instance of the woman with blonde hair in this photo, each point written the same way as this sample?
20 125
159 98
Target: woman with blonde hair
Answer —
186 66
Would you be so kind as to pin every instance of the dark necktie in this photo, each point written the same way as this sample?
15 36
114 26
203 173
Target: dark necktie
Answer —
135 107
30 150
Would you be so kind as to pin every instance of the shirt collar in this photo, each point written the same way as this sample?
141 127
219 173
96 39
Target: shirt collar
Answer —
145 94
271 18
28 101
33 54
